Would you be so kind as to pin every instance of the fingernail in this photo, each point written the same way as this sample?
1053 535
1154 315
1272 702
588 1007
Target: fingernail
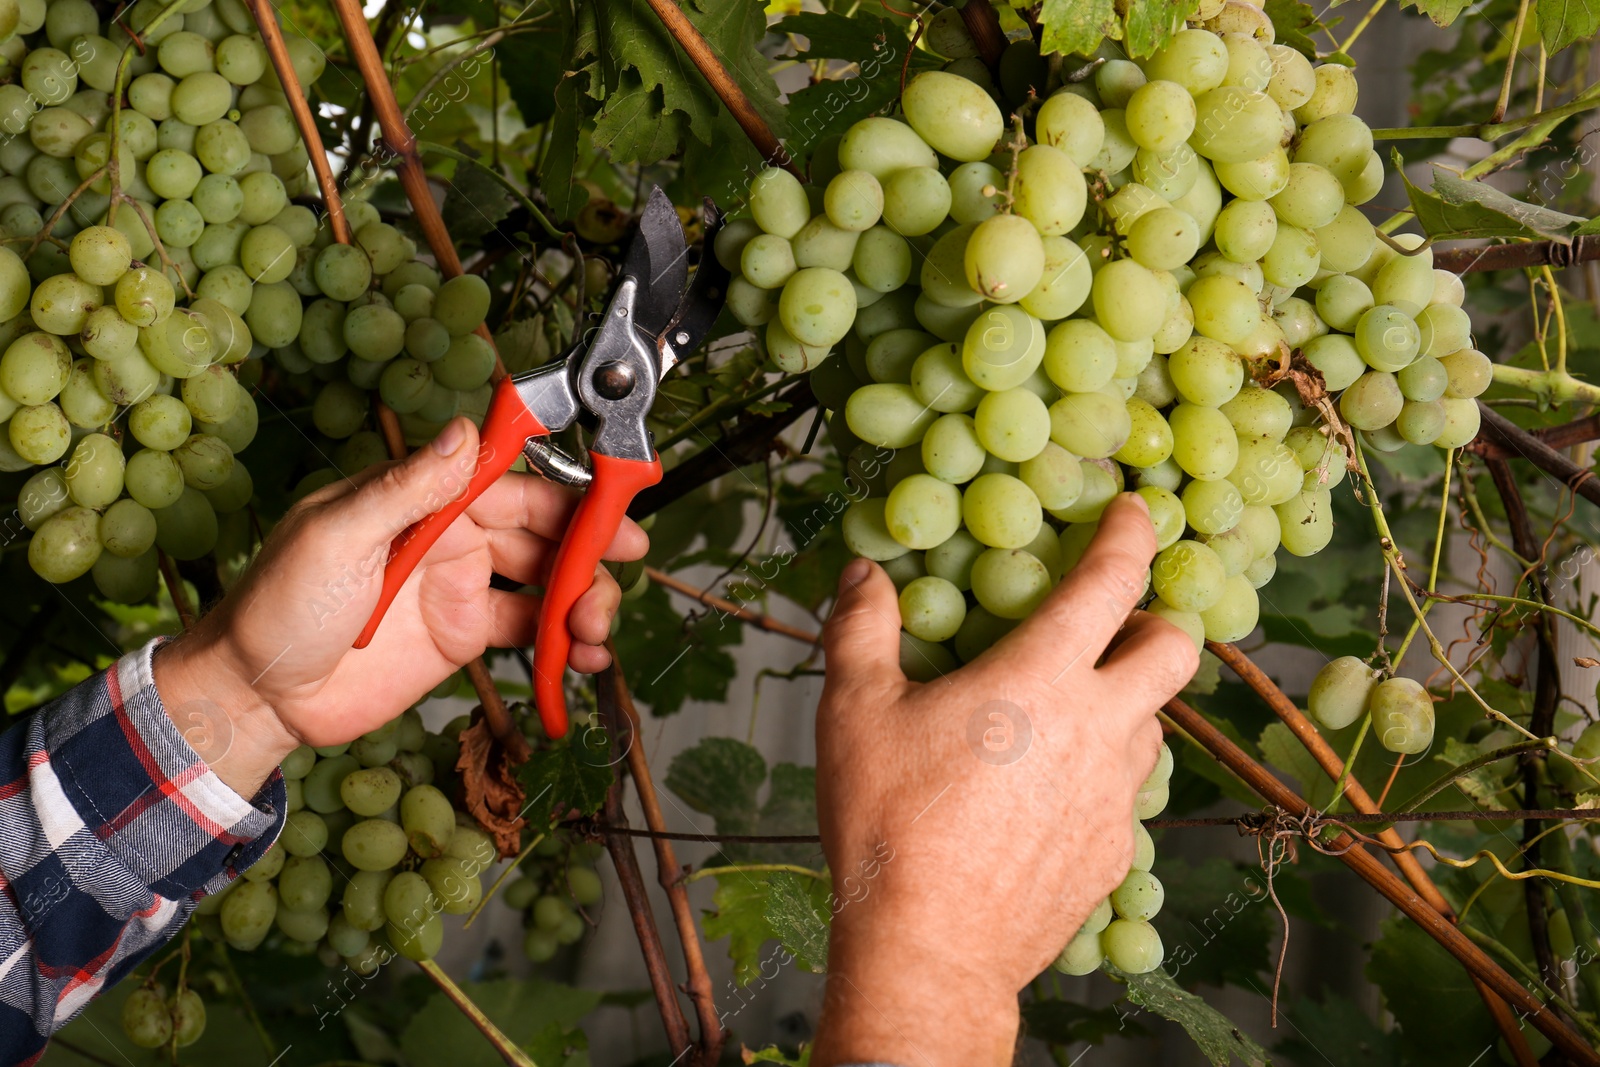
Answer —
1144 505
855 572
450 438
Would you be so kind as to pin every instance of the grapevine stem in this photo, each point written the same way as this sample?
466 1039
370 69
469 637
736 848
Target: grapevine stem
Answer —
710 600
1448 778
1533 979
1470 494
691 424
113 165
176 589
155 238
1561 320
1488 131
1349 762
505 183
502 1044
511 868
1366 20
1504 100
1433 569
61 209
753 868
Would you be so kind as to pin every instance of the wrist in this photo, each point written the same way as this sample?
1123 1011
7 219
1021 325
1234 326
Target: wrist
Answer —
205 692
893 1001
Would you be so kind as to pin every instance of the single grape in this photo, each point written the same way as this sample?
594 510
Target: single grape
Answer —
1402 715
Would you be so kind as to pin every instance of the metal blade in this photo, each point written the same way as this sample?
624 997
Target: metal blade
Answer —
659 258
702 303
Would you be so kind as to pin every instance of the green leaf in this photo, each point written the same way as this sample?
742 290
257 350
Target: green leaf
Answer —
1285 752
668 660
1440 1014
1064 1022
571 777
1076 26
534 63
798 910
1462 209
1294 23
532 1012
863 37
1588 229
1337 1031
1484 785
741 917
1561 22
474 203
774 1054
720 777
635 126
559 178
1217 1037
1149 24
1442 12
1218 920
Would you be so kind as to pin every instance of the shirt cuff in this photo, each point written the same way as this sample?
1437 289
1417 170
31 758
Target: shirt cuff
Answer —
129 777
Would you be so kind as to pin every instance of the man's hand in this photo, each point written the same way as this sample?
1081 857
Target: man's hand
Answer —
981 817
272 666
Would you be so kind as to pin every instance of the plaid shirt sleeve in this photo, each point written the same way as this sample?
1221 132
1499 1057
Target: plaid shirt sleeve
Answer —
111 830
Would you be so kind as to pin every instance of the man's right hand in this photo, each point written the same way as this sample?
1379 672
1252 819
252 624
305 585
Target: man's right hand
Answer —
972 823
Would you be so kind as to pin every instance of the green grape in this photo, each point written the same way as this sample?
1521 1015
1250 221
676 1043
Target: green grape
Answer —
1372 402
1447 288
405 385
1072 124
408 901
822 244
1160 115
206 461
100 255
943 274
1311 199
1258 412
39 433
1001 511
153 478
1233 547
307 927
1338 143
1139 897
454 883
1306 522
184 53
1234 124
339 409
416 301
1013 425
1266 472
1402 716
212 396
61 305
1132 947
1163 239
1081 956
932 608
1079 356
266 200
50 75
179 224
1320 455
66 545
1132 358
1101 481
1004 258
187 528
1443 329
1171 175
42 495
34 368
1234 616
1346 242
218 245
817 306
1188 576
188 1017
1049 190
1292 81
1340 692
274 315
1337 358
952 559
378 333
778 202
922 511
888 415
1342 301
1387 338
428 818
1149 437
384 245
1470 373
1293 259
201 98
1245 230
866 532
1421 421
854 201
951 114
1009 583
976 190
1154 383
1195 59
243 60
1298 320
1424 380
270 130
362 898
585 885
951 450
891 355
1116 80
1002 348
1405 282
145 1019
1130 203
915 200
751 305
882 260
1167 514
373 844
229 286
247 913
1261 523
95 471
1249 65
267 254
1093 425
728 246
1205 372
218 198
1213 507
767 261
233 494
1225 309
343 273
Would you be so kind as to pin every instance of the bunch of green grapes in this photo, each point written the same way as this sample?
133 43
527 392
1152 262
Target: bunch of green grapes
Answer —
372 855
1010 323
151 1019
557 878
134 330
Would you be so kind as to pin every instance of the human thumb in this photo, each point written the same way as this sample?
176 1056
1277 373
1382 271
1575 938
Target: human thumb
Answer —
862 636
419 485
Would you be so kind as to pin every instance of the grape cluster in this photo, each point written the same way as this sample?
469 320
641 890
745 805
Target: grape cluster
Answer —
556 877
151 1019
169 275
1160 280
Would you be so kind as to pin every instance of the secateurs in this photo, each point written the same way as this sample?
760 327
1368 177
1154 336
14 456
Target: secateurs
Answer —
655 317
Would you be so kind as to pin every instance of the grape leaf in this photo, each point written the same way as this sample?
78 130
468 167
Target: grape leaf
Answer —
570 777
720 777
1483 786
1462 209
798 910
669 661
773 1054
1294 23
534 1013
741 917
1336 1031
1149 24
1431 997
1065 1022
1214 1034
1561 22
1442 12
1285 752
1076 25
474 203
559 176
755 907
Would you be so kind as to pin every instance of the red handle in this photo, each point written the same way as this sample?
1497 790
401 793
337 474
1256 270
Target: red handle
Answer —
506 428
594 526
